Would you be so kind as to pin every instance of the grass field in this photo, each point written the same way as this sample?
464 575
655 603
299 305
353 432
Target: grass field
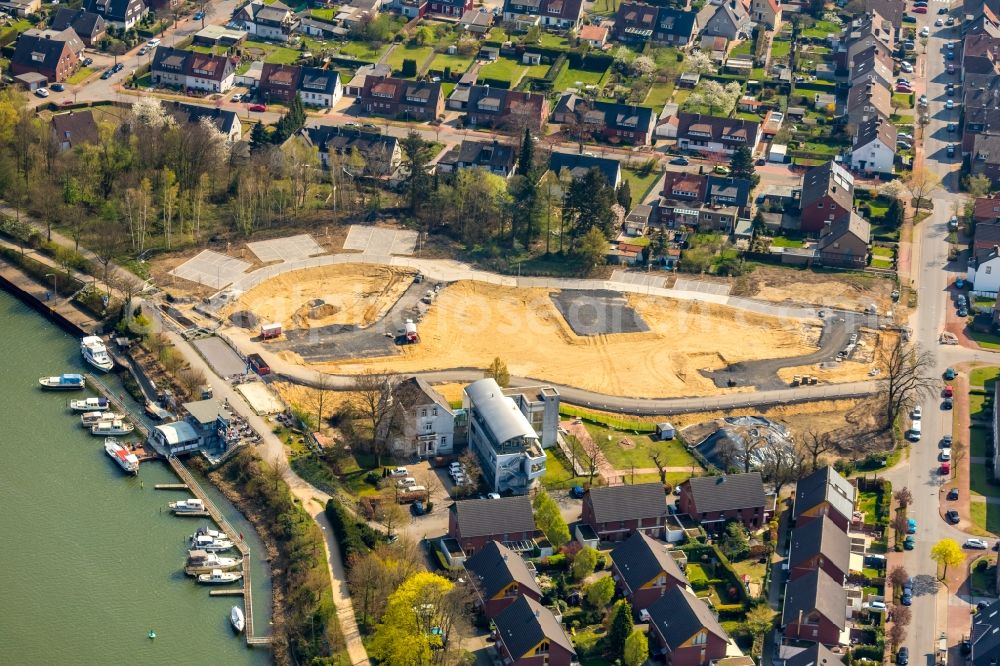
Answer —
458 63
821 29
362 51
505 69
978 441
979 482
324 14
81 75
985 377
408 52
639 184
569 78
273 53
659 94
985 516
882 251
621 458
780 49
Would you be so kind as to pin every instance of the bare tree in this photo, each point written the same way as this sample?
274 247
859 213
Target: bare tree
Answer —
589 454
922 182
318 395
373 402
107 244
896 634
433 484
958 451
899 522
780 468
390 514
898 576
814 445
903 497
470 467
901 615
660 468
906 378
191 379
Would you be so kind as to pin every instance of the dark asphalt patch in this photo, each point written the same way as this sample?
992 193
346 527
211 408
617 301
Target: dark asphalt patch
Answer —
598 312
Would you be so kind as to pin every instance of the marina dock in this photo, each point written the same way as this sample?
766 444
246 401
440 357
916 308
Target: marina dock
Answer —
171 486
226 593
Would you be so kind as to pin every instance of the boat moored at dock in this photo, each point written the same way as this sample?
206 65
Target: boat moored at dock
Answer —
201 561
115 427
219 577
237 620
88 419
90 405
210 540
193 505
64 382
127 460
95 353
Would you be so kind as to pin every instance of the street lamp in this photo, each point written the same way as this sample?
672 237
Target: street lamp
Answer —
55 283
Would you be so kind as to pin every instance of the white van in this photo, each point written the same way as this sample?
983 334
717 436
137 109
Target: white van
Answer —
914 434
408 481
415 489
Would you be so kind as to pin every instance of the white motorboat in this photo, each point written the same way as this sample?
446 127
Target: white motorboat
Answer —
236 619
219 577
95 353
66 382
193 505
201 561
115 427
156 412
90 418
90 405
127 460
205 542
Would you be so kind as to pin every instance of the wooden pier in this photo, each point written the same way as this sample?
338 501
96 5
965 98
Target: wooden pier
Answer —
238 592
234 536
100 387
171 486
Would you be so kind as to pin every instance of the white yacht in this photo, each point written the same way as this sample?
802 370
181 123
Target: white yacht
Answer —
127 460
95 353
219 577
89 405
115 427
210 540
90 418
236 619
193 505
201 561
66 382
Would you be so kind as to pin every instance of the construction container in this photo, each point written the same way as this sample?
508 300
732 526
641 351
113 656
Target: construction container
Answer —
270 331
410 331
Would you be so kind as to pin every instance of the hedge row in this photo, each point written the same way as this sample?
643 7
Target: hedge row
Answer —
353 536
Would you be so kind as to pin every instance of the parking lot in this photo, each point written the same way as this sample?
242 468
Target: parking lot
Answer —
381 241
286 249
211 269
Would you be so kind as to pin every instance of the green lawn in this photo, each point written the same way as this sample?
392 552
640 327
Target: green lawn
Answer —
978 441
558 471
977 406
273 53
903 100
82 75
659 94
882 251
639 184
362 51
979 482
881 263
985 340
821 29
672 452
780 49
550 41
408 52
866 504
985 516
781 241
457 63
325 13
984 377
745 48
570 78
504 69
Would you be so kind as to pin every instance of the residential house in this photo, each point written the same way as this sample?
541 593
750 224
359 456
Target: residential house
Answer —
476 522
728 19
578 165
52 58
225 121
275 21
978 54
278 83
815 609
316 87
506 445
816 654
615 512
495 157
540 405
985 214
872 65
867 100
356 85
985 159
595 35
846 243
20 8
892 11
980 109
824 493
766 13
499 577
984 636
478 22
874 149
625 123
984 270
638 23
528 634
90 27
706 202
68 35
827 196
644 571
685 631
320 87
713 134
820 544
558 14
638 220
316 28
123 14
380 154
987 235
190 70
452 8
714 500
426 422
505 109
219 36
74 129
413 100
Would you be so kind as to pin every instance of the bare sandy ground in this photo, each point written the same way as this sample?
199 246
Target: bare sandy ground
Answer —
847 291
471 323
358 294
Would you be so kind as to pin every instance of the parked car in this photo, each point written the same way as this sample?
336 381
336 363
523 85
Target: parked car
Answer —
950 372
976 544
259 108
916 413
155 41
950 55
909 19
906 67
922 101
906 599
951 68
919 10
42 92
903 656
953 494
951 127
963 312
417 508
945 454
87 62
198 16
959 282
722 169
576 492
925 31
57 87
950 21
951 150
942 10
952 516
680 161
238 97
903 88
911 526
939 22
107 74
398 472
909 543
961 300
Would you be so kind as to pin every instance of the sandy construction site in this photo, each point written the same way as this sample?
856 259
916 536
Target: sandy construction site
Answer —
355 294
470 323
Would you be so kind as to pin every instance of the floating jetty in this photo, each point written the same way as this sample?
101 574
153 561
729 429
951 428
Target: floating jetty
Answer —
226 593
172 486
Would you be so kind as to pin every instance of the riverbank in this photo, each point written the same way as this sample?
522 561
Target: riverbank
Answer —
59 311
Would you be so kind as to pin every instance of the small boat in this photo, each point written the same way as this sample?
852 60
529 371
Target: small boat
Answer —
156 412
236 619
193 505
90 418
151 634
127 460
219 577
201 561
66 382
115 427
90 405
95 353
212 544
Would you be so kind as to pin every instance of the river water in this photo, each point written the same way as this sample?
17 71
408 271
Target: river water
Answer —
90 559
